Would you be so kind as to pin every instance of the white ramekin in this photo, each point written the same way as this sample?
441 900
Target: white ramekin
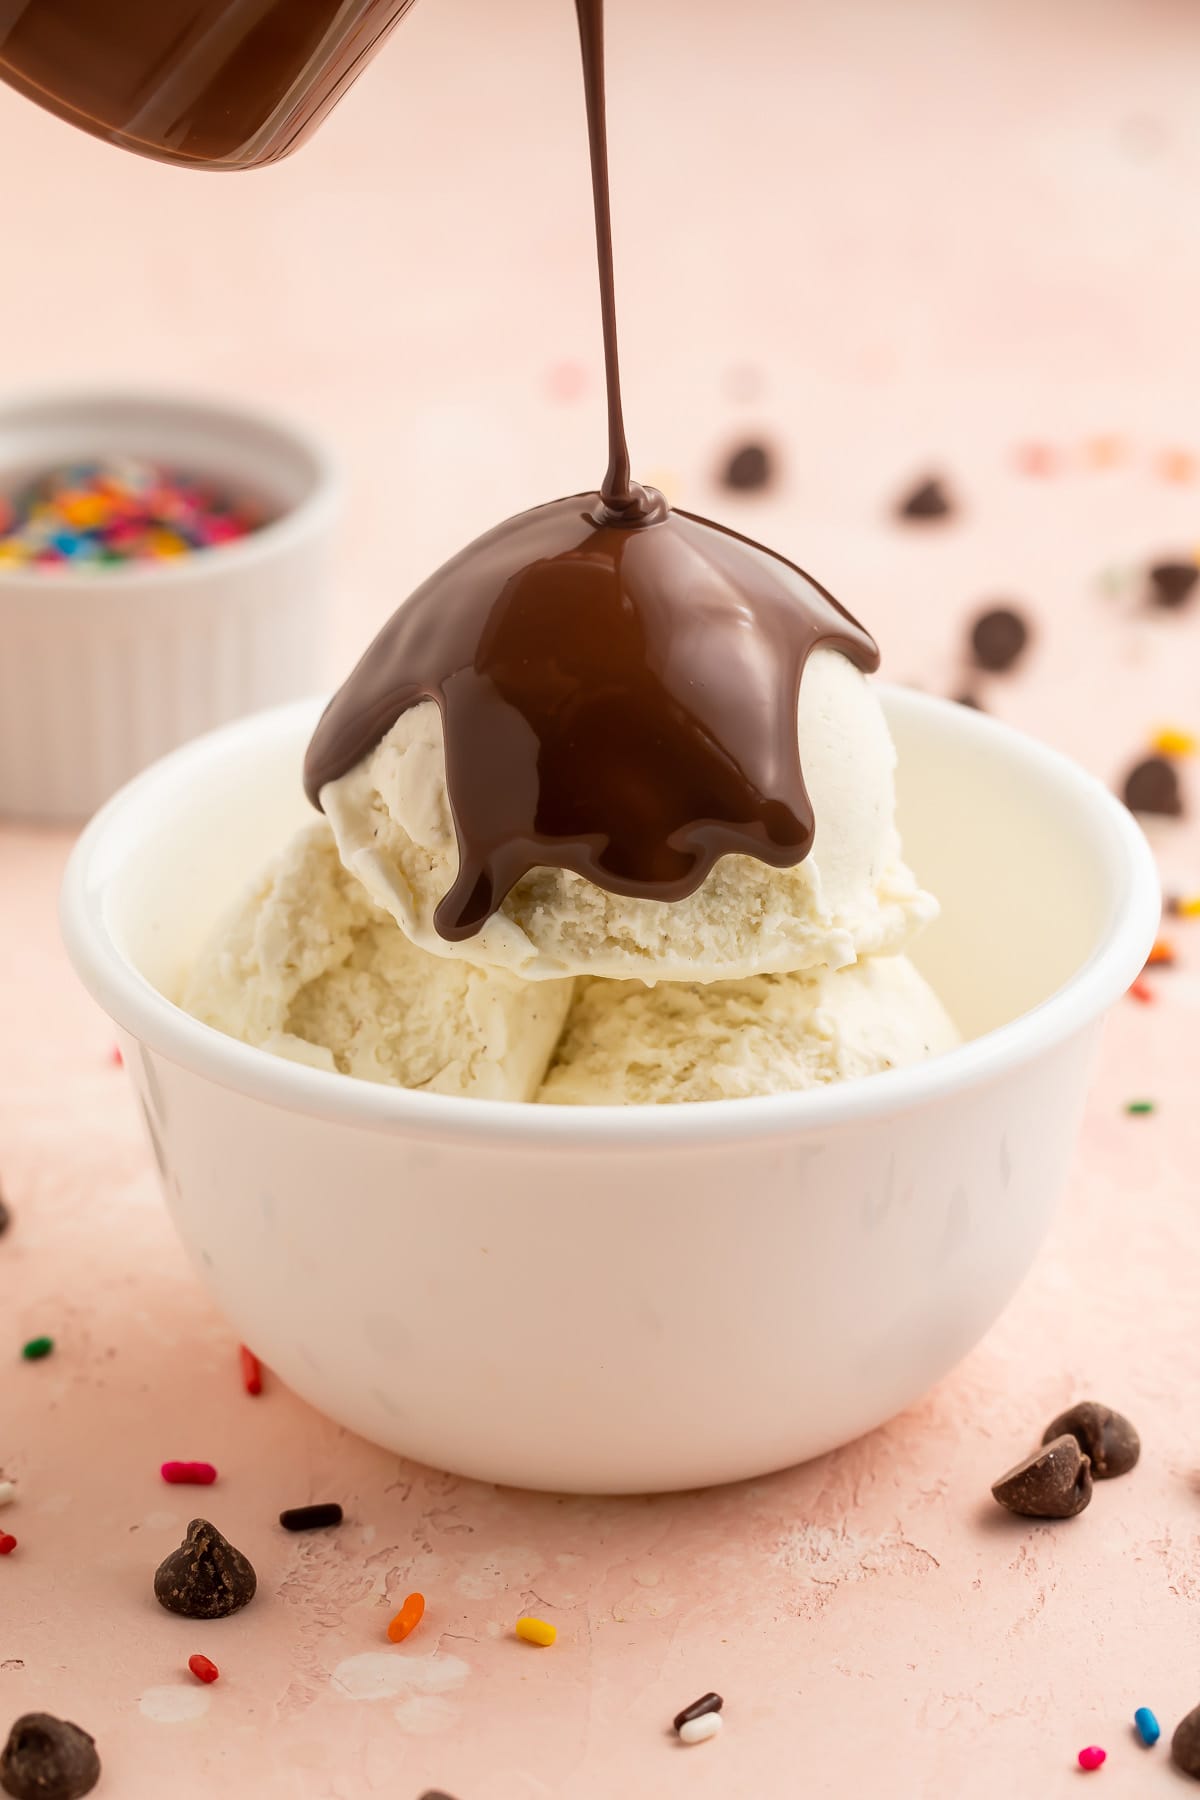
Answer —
614 1300
102 672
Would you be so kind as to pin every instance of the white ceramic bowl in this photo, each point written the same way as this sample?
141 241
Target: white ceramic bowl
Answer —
615 1300
103 671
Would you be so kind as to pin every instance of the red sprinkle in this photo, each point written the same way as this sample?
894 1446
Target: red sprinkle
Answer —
7 1544
1140 990
115 1057
189 1474
202 1668
1092 1757
251 1371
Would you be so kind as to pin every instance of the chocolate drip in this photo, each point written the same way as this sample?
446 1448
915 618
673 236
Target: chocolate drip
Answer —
620 702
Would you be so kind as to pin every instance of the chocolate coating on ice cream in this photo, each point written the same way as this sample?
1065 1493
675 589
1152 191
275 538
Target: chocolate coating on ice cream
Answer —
618 701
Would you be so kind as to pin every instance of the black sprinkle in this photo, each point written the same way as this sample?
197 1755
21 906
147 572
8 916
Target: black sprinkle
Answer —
1152 786
48 1759
1171 583
998 637
928 500
707 1703
749 468
206 1578
311 1518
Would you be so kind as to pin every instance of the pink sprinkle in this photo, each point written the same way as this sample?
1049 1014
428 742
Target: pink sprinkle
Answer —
566 381
189 1474
1036 459
1092 1757
1141 990
115 1057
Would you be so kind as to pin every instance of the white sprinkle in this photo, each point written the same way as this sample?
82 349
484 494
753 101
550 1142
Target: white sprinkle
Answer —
694 1731
8 1491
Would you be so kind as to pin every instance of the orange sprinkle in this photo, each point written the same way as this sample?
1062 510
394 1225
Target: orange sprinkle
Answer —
407 1619
1104 452
1162 954
1139 990
1177 465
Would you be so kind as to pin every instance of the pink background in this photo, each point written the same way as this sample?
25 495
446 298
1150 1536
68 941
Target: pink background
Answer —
887 239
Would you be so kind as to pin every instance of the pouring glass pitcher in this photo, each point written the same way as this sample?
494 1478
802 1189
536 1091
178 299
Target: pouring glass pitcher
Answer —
214 84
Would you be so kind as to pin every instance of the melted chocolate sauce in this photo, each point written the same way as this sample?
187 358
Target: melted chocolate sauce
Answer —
617 682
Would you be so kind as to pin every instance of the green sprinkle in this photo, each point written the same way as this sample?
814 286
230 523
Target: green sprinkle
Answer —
1140 1106
36 1348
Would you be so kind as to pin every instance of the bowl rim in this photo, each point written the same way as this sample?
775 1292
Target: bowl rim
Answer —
326 486
141 1010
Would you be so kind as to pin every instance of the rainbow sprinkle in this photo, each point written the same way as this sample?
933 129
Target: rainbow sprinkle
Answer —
98 515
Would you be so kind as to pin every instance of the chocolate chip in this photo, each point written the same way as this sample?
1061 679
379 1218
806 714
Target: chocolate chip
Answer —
1108 1440
1152 786
928 500
1054 1483
1171 583
206 1578
5 1216
969 700
436 1794
998 637
48 1759
1185 1745
749 468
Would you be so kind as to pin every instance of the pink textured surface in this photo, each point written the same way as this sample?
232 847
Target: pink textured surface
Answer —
919 236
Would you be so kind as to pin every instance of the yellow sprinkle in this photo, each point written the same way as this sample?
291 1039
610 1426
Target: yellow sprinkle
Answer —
1172 742
1189 908
166 543
536 1631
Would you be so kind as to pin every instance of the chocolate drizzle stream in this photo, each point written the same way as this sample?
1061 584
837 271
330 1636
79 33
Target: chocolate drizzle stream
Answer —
617 682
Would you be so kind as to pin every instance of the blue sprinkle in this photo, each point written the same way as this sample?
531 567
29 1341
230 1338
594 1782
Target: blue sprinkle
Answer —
1148 1727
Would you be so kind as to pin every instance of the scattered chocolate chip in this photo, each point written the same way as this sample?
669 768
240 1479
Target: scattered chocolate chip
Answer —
928 500
748 468
969 700
1171 583
1152 786
998 637
707 1703
1185 1745
48 1759
1054 1483
206 1578
1108 1440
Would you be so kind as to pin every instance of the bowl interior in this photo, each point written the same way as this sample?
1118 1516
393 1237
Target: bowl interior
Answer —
1022 849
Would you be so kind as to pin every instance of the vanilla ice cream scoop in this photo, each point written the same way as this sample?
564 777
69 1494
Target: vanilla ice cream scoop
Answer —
851 897
626 1044
308 968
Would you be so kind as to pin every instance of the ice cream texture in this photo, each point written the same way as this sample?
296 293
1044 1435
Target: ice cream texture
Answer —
626 1044
306 966
851 897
